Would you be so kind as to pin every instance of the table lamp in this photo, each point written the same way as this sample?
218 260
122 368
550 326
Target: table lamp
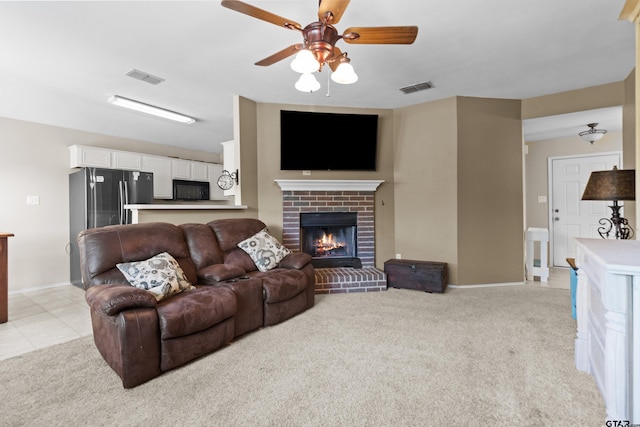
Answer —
616 184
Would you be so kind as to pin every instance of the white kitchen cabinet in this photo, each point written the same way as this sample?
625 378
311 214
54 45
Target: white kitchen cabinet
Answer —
162 175
126 160
181 169
164 169
92 157
215 170
199 171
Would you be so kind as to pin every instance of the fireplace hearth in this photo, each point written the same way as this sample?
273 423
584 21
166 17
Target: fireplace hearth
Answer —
330 238
355 197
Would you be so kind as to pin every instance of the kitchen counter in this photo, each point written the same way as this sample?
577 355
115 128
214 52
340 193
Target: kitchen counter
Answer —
135 209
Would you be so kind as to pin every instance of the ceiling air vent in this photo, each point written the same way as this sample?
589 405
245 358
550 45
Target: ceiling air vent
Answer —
416 87
145 77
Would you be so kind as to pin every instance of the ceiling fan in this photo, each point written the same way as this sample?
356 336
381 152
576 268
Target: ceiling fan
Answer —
319 41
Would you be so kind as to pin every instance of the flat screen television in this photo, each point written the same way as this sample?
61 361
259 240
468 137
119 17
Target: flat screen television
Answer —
328 141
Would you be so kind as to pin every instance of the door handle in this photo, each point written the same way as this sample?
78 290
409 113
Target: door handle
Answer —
556 219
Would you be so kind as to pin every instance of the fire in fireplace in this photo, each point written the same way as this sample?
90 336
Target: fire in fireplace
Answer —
330 238
328 245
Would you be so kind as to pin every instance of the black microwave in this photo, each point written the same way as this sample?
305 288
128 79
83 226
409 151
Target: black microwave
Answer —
190 190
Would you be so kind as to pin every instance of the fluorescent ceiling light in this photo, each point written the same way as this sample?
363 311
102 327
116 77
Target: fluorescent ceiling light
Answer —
149 109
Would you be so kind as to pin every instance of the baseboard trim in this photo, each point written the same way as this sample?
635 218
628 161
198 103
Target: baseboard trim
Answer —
40 288
487 285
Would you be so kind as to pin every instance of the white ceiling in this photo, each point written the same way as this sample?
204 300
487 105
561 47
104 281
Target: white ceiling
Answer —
60 61
570 124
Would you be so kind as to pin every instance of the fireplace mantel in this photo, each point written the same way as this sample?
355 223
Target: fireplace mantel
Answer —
329 184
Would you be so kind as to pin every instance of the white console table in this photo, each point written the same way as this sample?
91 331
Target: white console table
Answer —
607 342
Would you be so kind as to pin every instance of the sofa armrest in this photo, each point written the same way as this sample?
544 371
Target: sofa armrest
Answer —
111 299
220 272
295 261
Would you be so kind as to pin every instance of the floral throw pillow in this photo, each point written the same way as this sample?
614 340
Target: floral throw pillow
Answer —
161 275
264 249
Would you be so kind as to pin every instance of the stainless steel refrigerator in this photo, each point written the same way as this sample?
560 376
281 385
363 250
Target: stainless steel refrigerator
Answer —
97 198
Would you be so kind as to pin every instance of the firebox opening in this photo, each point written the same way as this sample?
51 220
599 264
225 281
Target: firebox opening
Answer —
330 238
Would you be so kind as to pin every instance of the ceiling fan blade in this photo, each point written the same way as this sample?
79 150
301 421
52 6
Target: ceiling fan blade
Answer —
380 35
256 12
279 56
336 7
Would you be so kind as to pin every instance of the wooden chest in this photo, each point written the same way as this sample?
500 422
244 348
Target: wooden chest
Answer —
420 275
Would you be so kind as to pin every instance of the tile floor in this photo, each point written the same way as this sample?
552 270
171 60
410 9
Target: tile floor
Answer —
51 316
38 319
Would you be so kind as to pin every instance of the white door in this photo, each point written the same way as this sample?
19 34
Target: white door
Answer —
571 217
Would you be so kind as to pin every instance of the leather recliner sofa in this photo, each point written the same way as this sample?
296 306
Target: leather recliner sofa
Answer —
140 338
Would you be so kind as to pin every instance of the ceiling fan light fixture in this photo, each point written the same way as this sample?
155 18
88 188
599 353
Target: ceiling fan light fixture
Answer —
149 109
319 41
307 83
344 74
592 134
305 62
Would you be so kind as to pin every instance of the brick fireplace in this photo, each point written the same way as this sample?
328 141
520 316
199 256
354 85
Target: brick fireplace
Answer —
355 196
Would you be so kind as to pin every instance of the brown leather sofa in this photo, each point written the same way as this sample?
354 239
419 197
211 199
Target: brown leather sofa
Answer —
140 338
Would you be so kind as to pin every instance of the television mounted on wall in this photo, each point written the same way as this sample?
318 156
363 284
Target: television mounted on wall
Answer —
328 141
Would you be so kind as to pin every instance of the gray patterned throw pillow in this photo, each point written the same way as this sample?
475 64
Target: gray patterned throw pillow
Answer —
161 275
264 249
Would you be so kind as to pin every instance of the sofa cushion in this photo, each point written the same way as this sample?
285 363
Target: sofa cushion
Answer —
264 249
104 247
220 272
281 285
231 231
240 258
160 275
195 311
202 243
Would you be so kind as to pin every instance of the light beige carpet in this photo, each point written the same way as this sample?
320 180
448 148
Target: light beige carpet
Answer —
470 357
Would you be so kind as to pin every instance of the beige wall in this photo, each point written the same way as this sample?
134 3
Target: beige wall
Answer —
426 181
490 191
268 153
35 161
629 148
458 179
629 122
591 98
246 132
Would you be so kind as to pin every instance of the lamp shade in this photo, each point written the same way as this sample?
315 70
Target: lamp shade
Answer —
344 74
616 184
307 83
305 62
592 136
